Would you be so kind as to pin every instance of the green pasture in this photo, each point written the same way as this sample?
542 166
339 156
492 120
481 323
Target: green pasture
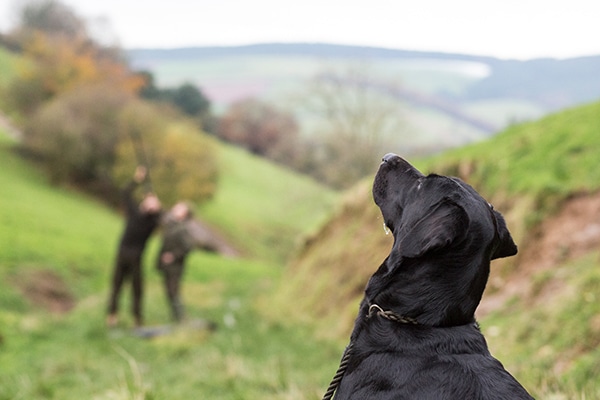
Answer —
263 208
57 247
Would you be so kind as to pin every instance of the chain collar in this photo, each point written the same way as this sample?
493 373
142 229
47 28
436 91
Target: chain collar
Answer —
374 309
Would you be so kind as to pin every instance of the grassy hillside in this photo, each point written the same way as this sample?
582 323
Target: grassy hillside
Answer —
529 169
56 253
528 172
262 208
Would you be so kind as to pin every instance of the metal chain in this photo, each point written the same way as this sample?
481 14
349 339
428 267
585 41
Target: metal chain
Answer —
392 316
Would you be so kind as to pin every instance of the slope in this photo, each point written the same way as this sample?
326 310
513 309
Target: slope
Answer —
56 252
264 208
539 175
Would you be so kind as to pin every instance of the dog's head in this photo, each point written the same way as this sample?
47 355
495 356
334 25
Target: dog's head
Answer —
442 224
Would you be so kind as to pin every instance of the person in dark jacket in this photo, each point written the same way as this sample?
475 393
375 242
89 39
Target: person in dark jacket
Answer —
182 233
142 219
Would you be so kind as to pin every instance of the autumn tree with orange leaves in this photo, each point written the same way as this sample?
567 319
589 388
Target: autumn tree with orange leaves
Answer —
72 95
59 56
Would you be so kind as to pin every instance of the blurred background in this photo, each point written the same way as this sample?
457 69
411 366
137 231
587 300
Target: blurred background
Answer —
271 118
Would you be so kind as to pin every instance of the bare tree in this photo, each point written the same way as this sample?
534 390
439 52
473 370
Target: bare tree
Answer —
51 17
356 121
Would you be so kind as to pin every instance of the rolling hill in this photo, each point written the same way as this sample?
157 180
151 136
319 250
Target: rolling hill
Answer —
540 310
446 100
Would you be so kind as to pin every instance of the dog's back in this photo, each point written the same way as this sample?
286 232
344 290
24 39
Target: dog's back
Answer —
404 361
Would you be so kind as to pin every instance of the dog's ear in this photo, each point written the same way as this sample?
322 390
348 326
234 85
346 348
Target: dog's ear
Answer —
442 225
506 246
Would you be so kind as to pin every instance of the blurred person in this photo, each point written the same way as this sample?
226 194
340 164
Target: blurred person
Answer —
141 220
181 233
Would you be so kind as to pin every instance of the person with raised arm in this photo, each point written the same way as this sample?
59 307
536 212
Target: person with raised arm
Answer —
141 220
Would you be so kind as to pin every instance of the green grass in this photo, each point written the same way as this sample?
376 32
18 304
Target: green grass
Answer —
553 344
265 209
557 154
48 228
58 245
550 341
43 355
74 357
263 348
529 169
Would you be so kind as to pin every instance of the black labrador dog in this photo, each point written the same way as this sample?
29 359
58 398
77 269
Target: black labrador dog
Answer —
416 336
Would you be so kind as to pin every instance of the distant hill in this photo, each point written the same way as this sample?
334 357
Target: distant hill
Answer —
447 99
295 49
552 83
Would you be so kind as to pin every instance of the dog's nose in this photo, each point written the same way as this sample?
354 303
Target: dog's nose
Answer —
389 157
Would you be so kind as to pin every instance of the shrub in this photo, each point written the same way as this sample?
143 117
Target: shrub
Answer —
182 160
259 127
75 134
95 136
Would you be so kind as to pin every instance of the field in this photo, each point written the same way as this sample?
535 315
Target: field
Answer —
283 79
56 251
284 308
264 208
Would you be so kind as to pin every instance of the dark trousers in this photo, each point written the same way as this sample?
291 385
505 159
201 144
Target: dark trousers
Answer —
127 266
172 274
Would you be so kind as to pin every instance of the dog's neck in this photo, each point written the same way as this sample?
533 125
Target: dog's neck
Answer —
400 290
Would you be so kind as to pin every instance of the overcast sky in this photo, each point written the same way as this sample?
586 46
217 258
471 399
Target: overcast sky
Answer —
520 29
